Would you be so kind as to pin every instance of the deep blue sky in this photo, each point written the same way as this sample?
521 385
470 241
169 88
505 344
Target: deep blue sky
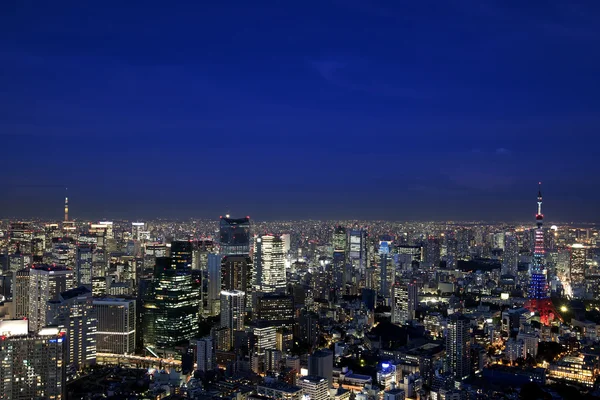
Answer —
292 109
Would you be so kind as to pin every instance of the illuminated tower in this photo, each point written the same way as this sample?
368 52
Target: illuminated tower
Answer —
538 284
68 226
537 281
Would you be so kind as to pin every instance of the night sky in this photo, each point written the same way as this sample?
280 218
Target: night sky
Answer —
399 110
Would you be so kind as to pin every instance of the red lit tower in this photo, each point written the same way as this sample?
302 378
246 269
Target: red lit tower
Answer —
538 282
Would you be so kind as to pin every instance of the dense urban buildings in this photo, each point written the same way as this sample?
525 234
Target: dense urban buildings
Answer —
300 309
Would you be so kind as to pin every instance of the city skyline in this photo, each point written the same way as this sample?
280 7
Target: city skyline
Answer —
371 110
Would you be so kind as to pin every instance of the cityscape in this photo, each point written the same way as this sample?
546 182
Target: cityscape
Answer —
299 200
234 308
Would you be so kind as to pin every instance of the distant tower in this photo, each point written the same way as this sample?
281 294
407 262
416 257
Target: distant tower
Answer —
66 208
538 285
68 226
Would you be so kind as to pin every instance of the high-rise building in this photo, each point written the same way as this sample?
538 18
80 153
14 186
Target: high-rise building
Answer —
138 230
233 311
234 236
270 264
32 365
171 306
21 294
205 354
511 254
84 264
314 387
404 302
46 282
275 310
458 347
577 263
236 273
320 363
20 236
357 249
213 274
74 314
181 255
116 325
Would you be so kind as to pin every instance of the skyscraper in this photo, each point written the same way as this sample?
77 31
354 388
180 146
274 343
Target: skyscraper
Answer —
213 274
171 306
116 325
84 264
32 365
511 254
21 294
270 264
233 312
205 354
46 282
181 255
74 314
236 273
404 302
458 347
577 264
234 236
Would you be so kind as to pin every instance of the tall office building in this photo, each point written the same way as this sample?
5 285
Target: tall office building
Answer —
233 312
357 247
46 282
275 309
236 273
116 325
20 236
433 252
386 266
21 294
577 263
234 236
341 274
32 365
510 260
74 314
270 264
458 347
138 230
84 264
213 274
171 305
320 363
205 354
404 302
181 255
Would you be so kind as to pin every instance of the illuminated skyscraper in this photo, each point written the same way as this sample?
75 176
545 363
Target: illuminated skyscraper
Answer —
116 325
270 264
404 302
84 264
46 282
233 312
358 249
577 263
458 347
213 274
74 313
234 236
236 273
511 254
181 255
21 294
32 365
171 306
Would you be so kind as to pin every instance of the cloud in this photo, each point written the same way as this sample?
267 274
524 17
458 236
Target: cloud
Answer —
501 151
